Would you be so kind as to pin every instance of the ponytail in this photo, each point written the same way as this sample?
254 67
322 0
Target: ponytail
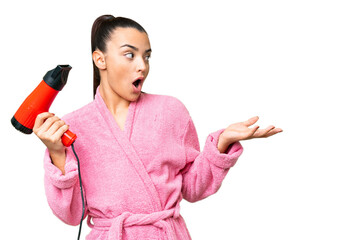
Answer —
99 44
101 31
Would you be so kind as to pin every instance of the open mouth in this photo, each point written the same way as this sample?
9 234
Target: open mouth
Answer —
136 83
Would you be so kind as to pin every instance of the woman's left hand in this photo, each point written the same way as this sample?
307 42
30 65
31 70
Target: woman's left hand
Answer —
242 131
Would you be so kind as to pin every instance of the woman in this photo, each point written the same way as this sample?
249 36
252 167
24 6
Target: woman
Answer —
139 153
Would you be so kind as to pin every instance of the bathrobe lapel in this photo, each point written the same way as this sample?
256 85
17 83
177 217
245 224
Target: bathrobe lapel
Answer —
123 139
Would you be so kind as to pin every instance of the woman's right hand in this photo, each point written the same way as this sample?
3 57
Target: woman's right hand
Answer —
49 128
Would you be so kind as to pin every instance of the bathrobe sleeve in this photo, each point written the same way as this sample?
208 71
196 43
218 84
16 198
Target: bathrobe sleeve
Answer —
205 171
63 191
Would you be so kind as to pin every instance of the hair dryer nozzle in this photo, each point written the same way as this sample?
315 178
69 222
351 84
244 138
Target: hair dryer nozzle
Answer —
40 99
57 77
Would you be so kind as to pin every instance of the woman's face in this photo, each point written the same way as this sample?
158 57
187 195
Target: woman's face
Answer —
127 62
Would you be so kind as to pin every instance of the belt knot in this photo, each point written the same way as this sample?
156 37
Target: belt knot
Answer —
116 225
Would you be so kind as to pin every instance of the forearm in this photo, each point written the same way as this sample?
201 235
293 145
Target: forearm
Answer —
58 159
65 201
63 190
206 170
202 179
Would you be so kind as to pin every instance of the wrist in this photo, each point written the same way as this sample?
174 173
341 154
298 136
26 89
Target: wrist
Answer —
223 144
58 159
56 152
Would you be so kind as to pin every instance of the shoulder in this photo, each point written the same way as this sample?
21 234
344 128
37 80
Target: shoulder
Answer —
168 112
169 104
77 116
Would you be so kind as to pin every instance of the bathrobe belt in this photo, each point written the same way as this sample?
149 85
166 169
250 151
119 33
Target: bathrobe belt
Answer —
126 219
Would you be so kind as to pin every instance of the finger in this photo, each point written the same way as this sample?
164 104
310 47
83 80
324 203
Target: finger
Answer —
253 130
58 134
251 121
55 126
263 132
268 129
273 132
47 124
41 118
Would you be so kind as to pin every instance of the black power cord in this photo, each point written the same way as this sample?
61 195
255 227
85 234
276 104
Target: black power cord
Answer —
81 190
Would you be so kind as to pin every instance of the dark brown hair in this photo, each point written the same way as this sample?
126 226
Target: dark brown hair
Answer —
101 33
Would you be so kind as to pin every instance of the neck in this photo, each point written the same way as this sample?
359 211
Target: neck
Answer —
115 103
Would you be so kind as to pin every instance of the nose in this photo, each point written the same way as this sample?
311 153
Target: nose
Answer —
141 65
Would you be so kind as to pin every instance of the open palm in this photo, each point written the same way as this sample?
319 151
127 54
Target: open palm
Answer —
242 131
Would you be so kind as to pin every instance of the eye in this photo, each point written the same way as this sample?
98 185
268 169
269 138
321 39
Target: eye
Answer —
129 55
147 57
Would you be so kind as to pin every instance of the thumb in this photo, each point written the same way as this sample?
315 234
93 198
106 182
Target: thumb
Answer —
251 121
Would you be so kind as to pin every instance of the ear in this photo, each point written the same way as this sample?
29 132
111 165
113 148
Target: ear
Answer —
99 59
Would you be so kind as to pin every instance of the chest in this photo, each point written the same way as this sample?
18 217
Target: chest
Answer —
120 118
110 174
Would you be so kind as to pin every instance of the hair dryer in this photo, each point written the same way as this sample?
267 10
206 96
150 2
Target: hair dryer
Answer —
40 100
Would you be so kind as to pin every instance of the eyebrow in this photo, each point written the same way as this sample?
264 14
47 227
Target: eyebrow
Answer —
135 48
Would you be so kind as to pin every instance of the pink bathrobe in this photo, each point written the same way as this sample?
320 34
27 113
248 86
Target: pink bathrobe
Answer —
134 179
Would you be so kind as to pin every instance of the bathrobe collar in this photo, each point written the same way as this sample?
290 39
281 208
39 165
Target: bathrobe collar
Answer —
129 122
123 139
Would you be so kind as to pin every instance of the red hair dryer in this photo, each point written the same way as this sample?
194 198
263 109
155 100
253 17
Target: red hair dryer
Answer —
40 100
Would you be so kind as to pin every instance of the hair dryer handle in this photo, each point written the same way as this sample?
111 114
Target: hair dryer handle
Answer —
68 138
